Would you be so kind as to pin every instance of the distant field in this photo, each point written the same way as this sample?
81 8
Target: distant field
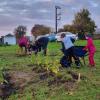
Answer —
88 89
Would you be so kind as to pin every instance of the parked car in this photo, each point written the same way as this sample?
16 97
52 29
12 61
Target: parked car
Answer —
52 37
58 35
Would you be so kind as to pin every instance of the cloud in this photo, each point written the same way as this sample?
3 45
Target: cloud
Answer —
1 10
43 11
30 12
93 4
42 0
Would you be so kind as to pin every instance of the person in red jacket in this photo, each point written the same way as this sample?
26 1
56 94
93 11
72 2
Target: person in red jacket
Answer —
91 49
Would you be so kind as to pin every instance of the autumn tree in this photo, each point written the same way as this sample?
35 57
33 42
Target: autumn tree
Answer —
40 30
83 22
60 30
70 28
20 31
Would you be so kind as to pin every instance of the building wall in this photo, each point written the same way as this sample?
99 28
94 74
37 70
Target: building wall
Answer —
10 40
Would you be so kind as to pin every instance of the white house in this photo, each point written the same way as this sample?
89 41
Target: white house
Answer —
9 39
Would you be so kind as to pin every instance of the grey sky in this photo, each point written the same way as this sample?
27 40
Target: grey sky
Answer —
30 12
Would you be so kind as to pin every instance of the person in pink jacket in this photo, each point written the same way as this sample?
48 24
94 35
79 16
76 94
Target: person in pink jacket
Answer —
23 43
91 49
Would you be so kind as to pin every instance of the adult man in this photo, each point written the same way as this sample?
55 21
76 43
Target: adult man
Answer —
68 49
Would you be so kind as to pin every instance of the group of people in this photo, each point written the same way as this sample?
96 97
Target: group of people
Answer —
67 48
27 47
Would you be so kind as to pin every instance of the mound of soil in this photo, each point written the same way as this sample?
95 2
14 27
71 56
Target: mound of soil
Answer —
75 76
44 75
69 85
6 89
19 78
38 69
15 80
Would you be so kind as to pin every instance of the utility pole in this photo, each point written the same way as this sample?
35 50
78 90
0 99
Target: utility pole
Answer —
57 17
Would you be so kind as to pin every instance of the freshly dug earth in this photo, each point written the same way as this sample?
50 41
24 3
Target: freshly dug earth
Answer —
16 80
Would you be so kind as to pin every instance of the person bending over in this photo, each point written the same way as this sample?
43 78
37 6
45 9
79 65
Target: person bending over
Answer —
23 41
69 49
41 44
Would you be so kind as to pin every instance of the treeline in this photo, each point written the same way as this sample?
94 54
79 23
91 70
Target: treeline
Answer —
82 23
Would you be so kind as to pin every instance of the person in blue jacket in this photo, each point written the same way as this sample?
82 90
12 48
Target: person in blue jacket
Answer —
68 49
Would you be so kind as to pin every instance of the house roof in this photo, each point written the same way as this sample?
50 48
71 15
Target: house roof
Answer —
9 35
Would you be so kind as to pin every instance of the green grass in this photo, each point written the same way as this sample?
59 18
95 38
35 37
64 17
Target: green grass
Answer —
86 90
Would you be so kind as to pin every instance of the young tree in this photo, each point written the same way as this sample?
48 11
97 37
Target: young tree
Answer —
40 30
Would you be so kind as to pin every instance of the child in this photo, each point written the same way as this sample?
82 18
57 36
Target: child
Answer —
23 42
91 49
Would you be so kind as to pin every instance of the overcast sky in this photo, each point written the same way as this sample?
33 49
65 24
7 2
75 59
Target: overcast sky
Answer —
30 12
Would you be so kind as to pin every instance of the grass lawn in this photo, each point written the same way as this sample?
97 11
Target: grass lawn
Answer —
88 89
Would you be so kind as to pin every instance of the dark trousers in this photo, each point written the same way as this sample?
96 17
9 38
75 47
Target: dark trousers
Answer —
22 46
69 53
